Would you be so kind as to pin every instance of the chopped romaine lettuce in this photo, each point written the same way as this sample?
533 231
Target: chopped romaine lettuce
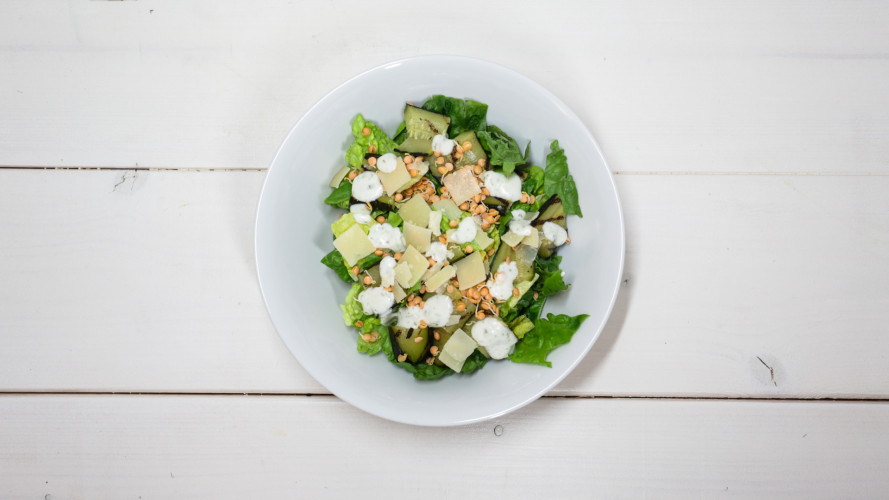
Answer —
547 334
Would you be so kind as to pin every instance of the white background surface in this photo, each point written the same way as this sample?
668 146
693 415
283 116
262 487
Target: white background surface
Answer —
749 146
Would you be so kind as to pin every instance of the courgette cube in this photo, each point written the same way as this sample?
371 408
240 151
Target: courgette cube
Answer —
474 154
421 123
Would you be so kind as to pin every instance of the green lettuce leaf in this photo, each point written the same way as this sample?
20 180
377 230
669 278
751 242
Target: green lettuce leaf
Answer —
340 196
465 115
370 325
557 180
358 148
334 260
352 309
502 149
547 334
533 183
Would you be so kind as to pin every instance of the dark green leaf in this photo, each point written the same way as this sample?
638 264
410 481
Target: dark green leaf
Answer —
557 180
474 362
340 196
547 334
335 261
502 149
464 115
368 261
533 183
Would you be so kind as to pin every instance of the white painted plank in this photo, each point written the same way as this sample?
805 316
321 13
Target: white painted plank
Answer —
116 282
665 86
273 447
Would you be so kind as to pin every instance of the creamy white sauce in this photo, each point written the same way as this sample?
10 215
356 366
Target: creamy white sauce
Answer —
555 233
409 317
505 188
438 251
387 271
519 223
494 336
367 186
385 236
443 145
502 283
376 300
437 310
386 163
361 213
465 232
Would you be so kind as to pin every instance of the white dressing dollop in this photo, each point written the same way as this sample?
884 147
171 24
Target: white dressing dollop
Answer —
385 236
519 223
502 283
376 300
386 163
409 317
465 232
361 213
387 271
437 310
438 251
441 144
367 186
555 233
500 186
494 336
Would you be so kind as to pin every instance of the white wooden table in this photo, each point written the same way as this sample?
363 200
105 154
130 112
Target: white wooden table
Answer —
748 354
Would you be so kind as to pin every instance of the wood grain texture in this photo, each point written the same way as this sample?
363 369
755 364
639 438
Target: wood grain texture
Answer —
664 86
143 281
263 447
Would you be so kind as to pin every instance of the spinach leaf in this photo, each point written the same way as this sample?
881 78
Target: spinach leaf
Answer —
474 362
502 149
465 115
557 180
340 196
547 334
334 260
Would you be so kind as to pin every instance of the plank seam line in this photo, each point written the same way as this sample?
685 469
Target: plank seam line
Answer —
323 395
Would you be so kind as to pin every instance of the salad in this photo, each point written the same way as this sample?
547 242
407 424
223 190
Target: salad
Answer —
449 238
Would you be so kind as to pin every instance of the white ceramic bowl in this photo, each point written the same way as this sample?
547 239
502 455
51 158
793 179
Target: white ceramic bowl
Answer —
293 234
